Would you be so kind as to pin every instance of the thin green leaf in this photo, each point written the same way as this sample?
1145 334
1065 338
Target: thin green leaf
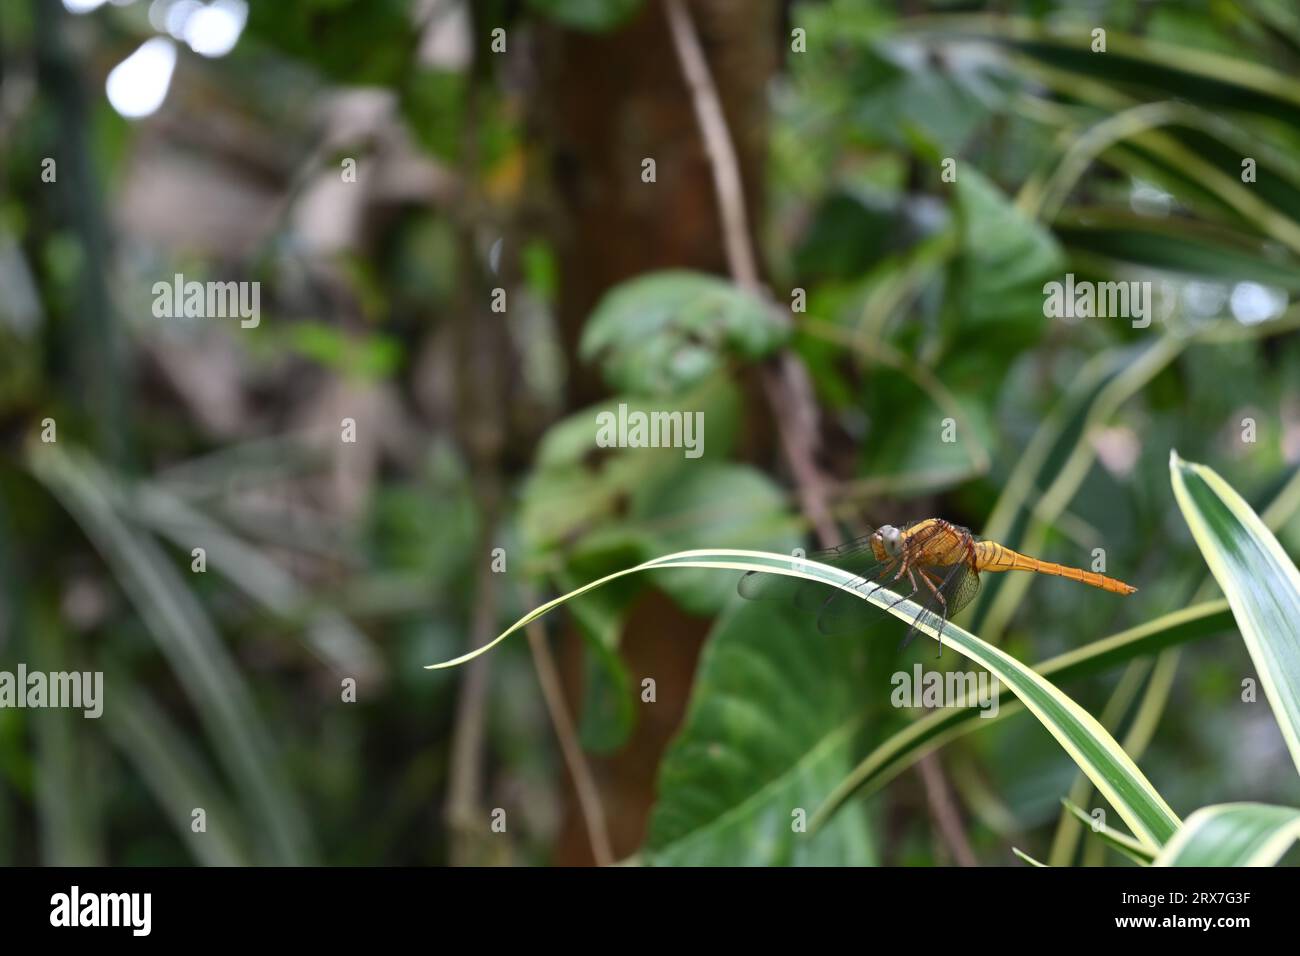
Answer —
1026 857
936 729
176 776
1085 740
1121 842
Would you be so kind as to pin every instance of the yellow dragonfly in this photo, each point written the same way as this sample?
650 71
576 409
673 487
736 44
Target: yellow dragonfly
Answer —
937 562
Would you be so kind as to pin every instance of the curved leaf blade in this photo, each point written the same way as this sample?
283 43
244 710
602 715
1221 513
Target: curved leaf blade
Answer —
1121 842
929 733
1084 739
1260 582
1233 834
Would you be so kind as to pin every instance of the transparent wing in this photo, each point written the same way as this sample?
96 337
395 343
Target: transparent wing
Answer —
945 591
854 556
840 612
835 609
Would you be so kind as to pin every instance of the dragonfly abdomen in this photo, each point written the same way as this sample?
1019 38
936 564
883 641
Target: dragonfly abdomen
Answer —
991 556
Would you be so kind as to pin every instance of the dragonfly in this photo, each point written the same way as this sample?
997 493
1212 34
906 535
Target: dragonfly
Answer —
932 562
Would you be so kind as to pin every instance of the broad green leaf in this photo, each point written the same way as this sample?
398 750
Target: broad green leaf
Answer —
850 232
661 333
771 725
934 730
1121 842
579 486
1085 740
1233 834
1006 255
1260 582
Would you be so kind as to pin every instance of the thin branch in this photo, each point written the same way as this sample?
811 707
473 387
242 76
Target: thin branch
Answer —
463 812
717 141
786 381
584 784
944 810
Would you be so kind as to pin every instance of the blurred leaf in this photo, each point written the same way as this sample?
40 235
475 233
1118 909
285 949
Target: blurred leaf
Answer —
661 333
66 791
175 775
595 16
329 635
360 42
1006 255
1156 69
1233 834
187 638
1051 469
706 504
1177 245
909 100
369 357
851 231
578 487
1260 582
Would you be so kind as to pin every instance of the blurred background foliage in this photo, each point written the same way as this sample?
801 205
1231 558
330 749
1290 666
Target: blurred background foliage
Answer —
222 155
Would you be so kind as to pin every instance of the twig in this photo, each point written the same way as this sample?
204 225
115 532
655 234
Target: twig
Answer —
584 784
464 788
786 382
944 810
481 435
717 142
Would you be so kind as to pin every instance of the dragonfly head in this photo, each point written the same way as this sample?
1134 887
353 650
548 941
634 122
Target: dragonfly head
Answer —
887 542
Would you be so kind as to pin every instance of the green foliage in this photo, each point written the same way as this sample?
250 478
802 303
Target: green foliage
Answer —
772 724
663 333
593 15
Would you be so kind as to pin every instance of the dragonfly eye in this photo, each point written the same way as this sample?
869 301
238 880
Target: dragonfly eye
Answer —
892 540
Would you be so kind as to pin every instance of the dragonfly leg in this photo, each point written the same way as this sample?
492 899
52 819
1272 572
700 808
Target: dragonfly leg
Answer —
908 595
943 602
